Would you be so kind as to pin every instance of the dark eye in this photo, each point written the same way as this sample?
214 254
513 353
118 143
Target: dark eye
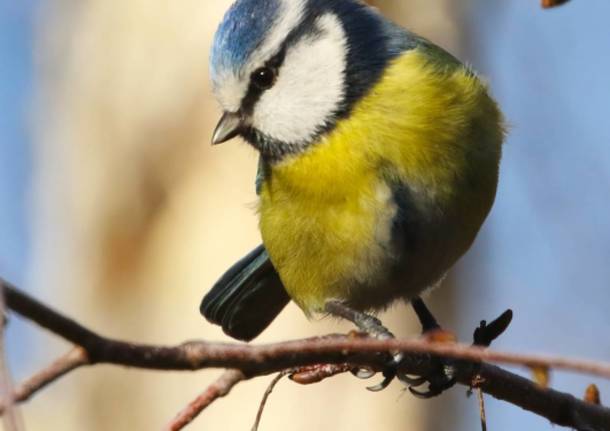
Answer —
263 78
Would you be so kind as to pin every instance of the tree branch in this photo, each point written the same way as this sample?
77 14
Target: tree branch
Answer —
72 360
11 418
266 395
220 388
560 408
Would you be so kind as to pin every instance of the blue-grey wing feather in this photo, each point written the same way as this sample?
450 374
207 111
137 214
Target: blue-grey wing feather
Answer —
247 297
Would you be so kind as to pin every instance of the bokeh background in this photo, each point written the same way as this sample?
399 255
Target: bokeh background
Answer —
116 210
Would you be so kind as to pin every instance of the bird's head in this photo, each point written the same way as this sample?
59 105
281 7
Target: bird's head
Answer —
285 71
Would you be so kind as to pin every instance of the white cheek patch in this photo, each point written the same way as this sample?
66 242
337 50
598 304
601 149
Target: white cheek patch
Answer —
309 88
232 87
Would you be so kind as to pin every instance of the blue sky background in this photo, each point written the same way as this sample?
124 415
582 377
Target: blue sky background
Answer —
545 251
16 82
16 28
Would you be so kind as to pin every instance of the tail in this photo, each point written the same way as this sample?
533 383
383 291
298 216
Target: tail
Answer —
247 297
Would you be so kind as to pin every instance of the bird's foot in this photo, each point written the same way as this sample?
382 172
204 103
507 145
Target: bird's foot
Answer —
441 378
444 371
390 372
370 326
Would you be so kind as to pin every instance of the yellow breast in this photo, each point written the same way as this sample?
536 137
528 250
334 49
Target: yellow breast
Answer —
326 215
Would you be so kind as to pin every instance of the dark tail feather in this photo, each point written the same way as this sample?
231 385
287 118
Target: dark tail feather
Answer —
247 297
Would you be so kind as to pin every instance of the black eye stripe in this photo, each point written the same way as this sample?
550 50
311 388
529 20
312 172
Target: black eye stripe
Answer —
303 29
255 90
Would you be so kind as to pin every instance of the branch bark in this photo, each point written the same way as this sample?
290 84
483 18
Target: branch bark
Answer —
72 360
220 388
11 417
560 408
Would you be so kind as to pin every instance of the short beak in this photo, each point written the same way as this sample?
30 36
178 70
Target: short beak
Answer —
228 127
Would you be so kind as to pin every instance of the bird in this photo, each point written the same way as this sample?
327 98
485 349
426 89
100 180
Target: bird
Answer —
379 156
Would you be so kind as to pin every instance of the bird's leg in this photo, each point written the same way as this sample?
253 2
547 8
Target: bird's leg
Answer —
427 320
444 376
373 326
429 325
365 322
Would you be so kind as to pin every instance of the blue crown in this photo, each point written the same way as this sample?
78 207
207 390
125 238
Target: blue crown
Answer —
372 40
242 30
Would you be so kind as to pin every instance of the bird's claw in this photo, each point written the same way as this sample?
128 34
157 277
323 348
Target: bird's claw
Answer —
445 377
390 372
433 391
411 381
438 382
388 375
363 373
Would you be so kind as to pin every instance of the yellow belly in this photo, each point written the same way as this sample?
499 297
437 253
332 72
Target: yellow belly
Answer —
323 246
326 215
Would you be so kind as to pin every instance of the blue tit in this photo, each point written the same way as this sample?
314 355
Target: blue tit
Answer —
379 159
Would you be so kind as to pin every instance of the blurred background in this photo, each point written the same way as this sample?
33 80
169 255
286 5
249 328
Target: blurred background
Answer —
116 210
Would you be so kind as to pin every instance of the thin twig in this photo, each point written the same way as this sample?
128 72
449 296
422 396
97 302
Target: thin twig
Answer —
560 408
270 388
482 414
476 387
12 420
220 388
72 360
